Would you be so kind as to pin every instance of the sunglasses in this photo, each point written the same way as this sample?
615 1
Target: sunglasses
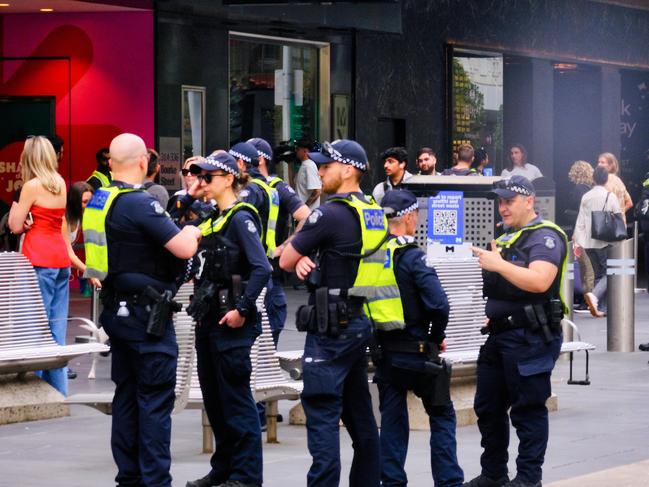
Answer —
208 177
185 172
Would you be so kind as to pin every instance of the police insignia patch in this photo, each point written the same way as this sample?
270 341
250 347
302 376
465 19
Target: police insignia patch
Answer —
243 193
549 242
251 226
314 216
157 207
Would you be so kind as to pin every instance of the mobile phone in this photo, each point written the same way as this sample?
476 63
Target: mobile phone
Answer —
30 219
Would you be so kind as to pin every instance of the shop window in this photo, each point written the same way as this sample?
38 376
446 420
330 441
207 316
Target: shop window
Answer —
274 89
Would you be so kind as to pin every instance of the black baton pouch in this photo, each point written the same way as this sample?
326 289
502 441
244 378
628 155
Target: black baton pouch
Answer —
305 318
334 329
322 309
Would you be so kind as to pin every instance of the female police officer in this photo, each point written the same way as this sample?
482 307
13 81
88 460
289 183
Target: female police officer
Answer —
522 277
234 270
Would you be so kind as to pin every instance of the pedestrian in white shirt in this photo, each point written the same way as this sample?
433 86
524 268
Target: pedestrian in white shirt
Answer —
519 166
597 199
308 185
395 162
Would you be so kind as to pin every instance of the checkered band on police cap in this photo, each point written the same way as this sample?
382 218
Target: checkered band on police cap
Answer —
244 151
263 147
220 160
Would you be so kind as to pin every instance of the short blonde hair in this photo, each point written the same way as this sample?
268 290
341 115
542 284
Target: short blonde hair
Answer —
38 160
611 160
581 173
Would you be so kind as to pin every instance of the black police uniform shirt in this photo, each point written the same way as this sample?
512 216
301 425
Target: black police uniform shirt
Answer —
422 296
333 225
542 244
243 231
139 212
289 203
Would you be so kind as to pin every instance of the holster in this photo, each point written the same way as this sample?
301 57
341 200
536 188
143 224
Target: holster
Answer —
538 318
162 306
200 301
325 318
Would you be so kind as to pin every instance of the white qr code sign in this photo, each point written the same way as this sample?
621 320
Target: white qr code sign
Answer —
446 217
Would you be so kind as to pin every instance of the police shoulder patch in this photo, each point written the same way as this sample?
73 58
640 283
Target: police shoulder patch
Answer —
244 193
251 226
549 242
157 207
314 216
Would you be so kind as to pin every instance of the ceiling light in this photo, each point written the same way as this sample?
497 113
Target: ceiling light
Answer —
47 10
564 66
4 4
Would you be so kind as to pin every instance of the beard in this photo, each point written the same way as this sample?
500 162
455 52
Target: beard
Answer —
331 183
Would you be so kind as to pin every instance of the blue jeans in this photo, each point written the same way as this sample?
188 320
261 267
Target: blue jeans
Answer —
55 290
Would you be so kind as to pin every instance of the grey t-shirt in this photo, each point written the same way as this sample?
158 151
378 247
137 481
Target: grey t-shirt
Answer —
159 192
306 180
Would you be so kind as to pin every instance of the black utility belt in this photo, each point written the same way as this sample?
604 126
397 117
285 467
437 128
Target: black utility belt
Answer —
544 318
327 320
407 346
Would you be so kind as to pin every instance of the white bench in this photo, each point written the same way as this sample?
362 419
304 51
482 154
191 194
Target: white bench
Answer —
26 342
184 326
462 282
267 382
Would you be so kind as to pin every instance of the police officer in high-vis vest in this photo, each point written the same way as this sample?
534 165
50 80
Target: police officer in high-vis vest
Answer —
101 177
341 249
411 335
135 249
522 274
234 270
289 204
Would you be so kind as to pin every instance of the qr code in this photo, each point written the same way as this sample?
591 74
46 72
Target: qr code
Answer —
445 222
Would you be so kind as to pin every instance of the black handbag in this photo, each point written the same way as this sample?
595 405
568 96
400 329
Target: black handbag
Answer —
606 225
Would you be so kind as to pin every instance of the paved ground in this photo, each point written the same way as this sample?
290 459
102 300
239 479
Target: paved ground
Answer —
599 436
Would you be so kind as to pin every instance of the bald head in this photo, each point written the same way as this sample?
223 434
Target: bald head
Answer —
126 150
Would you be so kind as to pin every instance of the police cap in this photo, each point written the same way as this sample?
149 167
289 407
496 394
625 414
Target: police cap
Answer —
398 203
344 151
513 186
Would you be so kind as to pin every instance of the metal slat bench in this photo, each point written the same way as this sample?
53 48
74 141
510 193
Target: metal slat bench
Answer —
462 282
184 326
26 342
267 381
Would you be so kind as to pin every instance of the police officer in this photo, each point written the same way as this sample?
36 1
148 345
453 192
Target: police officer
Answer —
411 335
289 204
522 277
233 272
348 234
101 177
134 247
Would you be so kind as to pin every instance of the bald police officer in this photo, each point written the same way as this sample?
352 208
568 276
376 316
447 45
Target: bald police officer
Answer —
346 236
135 249
522 279
411 336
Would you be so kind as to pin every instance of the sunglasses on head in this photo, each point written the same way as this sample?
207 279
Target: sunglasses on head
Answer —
208 176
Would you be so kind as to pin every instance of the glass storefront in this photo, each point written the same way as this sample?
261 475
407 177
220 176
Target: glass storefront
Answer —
477 102
274 92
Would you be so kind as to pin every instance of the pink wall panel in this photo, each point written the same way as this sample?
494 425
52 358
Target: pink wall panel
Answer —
106 88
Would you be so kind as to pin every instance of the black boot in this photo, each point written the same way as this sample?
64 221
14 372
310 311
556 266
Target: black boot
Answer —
202 482
483 481
522 483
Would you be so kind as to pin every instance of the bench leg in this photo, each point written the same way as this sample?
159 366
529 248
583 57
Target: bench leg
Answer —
208 438
271 422
586 381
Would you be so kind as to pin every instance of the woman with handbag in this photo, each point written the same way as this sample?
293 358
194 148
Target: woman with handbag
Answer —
599 223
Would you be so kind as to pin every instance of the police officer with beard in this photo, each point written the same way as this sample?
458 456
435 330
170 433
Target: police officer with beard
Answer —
342 247
136 250
522 278
411 336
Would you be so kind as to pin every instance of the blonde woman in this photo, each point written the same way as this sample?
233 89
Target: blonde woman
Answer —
40 212
187 206
581 175
615 184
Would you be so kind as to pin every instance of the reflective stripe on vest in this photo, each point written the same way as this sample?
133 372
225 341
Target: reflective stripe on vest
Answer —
274 181
94 230
506 240
103 179
273 212
210 226
374 226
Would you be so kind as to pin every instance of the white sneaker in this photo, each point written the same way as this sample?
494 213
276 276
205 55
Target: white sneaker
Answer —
592 302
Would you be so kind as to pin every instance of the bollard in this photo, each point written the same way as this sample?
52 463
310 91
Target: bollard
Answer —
620 275
568 294
94 305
